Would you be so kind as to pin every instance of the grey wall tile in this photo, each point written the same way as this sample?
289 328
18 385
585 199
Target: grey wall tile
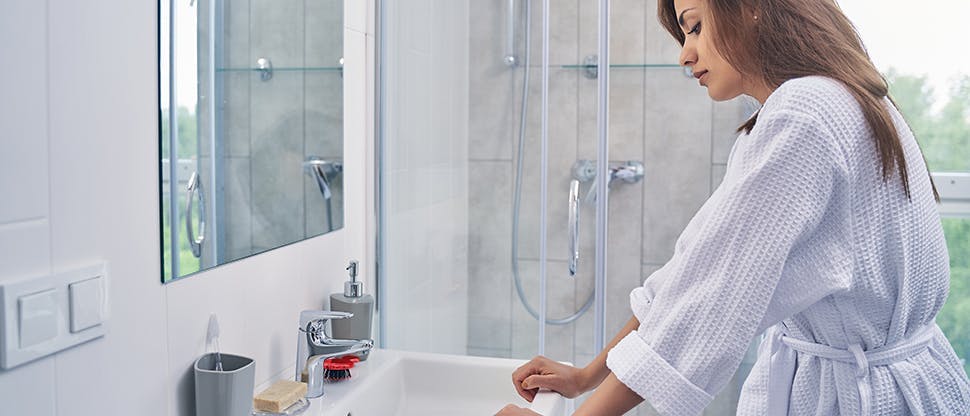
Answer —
563 32
728 116
585 283
562 155
324 114
238 198
235 107
661 47
494 110
717 175
623 252
487 35
236 34
628 33
624 272
648 269
486 352
627 128
627 124
678 153
627 27
315 206
494 88
277 160
324 32
277 32
525 328
587 133
489 251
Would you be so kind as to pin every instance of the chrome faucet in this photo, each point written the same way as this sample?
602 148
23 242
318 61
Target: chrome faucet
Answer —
312 334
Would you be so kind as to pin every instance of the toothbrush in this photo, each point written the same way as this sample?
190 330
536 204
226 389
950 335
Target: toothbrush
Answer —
212 337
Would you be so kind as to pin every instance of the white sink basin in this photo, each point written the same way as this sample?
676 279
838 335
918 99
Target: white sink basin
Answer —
399 383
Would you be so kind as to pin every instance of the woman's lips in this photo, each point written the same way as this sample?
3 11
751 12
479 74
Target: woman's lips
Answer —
700 78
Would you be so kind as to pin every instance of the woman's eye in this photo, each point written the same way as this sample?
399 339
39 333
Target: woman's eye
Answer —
696 29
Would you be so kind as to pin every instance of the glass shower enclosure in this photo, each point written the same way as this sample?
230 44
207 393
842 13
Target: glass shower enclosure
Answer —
533 168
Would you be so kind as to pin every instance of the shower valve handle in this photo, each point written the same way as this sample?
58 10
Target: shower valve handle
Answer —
573 226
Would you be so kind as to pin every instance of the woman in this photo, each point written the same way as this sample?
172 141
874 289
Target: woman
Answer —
824 232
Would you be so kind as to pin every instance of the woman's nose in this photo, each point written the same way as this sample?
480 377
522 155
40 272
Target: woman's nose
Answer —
688 55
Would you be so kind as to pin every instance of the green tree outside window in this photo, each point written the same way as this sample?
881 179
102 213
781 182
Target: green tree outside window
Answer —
944 137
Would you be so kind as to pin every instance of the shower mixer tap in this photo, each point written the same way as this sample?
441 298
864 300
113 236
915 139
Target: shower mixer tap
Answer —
585 171
323 171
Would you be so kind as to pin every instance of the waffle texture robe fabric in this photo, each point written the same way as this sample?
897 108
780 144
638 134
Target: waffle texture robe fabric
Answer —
805 236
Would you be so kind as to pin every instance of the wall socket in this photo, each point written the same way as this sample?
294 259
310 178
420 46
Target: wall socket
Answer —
42 315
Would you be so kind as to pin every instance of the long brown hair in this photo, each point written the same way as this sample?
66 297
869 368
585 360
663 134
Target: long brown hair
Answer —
797 38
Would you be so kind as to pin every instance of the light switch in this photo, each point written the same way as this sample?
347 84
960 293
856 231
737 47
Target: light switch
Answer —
87 298
41 315
38 317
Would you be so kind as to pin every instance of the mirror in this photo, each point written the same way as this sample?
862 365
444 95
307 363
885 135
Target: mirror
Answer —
251 127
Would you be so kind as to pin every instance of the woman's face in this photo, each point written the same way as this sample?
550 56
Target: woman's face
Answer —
723 82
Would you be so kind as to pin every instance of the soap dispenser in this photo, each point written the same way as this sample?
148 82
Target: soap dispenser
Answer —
354 301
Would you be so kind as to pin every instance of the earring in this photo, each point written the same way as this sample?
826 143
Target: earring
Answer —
756 17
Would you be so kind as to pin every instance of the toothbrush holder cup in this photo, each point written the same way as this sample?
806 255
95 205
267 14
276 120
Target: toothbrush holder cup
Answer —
224 393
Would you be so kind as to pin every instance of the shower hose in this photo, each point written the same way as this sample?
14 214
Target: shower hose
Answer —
517 197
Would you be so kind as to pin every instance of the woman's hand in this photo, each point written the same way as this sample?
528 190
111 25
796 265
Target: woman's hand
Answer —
542 372
513 410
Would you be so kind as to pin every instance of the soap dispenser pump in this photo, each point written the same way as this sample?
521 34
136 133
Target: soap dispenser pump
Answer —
353 300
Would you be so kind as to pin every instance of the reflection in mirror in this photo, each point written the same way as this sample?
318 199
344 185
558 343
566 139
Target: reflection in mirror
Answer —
250 99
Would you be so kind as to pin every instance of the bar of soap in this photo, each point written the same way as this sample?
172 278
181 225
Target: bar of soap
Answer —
279 396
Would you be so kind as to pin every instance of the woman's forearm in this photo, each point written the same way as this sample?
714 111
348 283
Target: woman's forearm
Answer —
597 371
611 398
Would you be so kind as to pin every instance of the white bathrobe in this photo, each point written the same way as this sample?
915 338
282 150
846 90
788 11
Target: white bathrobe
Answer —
805 239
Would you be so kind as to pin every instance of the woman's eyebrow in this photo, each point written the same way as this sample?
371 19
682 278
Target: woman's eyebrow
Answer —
681 19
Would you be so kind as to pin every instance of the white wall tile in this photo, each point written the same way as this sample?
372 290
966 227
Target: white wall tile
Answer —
25 249
23 111
103 183
104 207
355 15
356 164
27 390
188 304
370 155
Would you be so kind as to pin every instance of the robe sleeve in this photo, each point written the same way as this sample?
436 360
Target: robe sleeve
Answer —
699 313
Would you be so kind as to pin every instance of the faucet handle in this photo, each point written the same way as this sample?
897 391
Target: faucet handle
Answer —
317 315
